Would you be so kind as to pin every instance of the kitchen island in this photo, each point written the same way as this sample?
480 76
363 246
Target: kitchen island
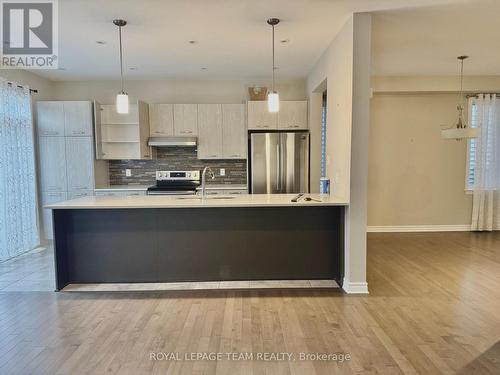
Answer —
185 238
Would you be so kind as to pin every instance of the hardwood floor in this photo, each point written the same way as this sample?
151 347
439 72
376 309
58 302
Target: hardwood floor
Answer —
434 308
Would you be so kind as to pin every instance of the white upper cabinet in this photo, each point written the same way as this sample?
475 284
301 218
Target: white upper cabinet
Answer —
161 120
50 118
80 163
293 115
64 118
185 120
122 136
144 130
110 116
77 118
259 118
99 153
234 132
209 131
53 163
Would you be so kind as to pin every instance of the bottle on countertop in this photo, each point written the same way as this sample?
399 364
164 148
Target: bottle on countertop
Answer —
324 185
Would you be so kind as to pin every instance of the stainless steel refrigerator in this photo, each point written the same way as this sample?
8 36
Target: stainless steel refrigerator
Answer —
279 162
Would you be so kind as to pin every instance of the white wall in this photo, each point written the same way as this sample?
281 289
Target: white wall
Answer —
416 177
345 66
315 114
171 91
434 84
335 65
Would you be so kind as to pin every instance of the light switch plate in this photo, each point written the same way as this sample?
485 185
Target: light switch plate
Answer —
128 172
222 171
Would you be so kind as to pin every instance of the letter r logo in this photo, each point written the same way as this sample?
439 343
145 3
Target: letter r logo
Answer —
27 27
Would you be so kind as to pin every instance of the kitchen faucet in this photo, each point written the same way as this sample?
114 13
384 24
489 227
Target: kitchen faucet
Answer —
203 180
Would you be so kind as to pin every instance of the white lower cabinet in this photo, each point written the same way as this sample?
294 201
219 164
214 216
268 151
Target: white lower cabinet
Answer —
80 194
50 198
226 191
121 193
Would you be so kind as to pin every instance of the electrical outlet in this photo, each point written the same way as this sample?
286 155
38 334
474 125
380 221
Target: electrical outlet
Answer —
128 172
222 171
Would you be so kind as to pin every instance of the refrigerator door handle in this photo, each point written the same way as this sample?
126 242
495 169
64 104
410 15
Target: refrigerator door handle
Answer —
278 168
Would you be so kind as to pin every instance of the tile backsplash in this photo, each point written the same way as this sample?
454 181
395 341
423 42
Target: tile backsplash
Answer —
174 159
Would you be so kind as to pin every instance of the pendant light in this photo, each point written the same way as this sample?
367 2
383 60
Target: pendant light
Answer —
122 97
460 130
273 99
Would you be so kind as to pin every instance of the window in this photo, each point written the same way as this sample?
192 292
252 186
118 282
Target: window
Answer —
323 136
471 146
478 109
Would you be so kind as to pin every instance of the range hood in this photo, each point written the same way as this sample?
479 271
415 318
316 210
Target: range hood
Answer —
172 141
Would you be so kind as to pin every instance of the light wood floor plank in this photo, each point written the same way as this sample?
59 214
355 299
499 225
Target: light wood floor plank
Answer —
433 308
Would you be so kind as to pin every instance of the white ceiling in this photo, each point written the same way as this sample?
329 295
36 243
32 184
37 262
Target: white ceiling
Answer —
233 37
426 41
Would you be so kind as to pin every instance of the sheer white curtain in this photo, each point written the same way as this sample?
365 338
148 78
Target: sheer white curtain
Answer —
18 202
486 201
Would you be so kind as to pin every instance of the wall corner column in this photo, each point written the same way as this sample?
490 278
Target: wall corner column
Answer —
355 280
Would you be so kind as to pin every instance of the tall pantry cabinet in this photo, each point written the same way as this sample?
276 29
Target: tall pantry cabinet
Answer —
67 166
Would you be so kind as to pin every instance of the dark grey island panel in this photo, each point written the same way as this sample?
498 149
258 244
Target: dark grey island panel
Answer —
198 244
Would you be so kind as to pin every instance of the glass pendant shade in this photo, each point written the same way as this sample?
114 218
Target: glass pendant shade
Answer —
273 102
122 103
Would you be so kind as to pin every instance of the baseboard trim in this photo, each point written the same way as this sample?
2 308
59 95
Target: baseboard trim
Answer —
355 287
419 228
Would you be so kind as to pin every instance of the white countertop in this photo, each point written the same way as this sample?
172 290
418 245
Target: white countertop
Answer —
190 201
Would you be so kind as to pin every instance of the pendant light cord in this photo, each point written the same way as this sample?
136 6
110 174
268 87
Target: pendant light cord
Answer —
274 68
121 57
461 80
461 106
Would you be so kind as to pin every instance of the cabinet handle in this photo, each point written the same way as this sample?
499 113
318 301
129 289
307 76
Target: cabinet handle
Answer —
186 131
233 156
